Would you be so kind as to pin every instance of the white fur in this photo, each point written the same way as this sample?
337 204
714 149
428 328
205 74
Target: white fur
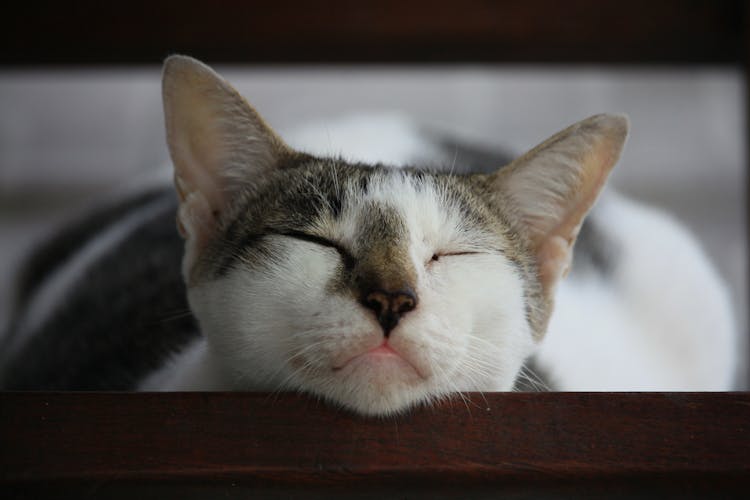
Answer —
661 323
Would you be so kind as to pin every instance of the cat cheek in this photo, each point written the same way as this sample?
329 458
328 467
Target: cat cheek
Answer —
441 320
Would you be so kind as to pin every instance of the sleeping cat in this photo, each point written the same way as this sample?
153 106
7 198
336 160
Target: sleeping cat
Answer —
376 287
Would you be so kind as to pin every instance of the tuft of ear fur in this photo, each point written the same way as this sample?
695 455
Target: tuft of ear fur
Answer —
551 188
218 144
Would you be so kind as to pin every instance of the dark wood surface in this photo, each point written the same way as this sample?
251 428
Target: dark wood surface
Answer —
341 31
681 444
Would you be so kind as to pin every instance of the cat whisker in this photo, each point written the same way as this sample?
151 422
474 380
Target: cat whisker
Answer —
532 378
175 315
306 366
453 388
466 403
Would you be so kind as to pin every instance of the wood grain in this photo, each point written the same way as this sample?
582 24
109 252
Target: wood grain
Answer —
375 31
683 444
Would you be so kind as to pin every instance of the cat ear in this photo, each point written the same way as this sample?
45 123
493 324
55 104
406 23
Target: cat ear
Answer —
217 141
550 189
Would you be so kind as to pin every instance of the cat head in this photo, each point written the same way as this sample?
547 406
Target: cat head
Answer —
374 287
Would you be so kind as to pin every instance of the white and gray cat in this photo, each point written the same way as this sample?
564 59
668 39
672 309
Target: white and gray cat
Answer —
374 287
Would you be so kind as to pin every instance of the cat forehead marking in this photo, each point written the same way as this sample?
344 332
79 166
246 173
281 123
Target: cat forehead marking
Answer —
389 208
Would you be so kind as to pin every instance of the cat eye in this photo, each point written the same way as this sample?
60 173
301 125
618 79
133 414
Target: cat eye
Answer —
347 257
436 256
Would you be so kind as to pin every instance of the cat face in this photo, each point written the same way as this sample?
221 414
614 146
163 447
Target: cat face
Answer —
373 287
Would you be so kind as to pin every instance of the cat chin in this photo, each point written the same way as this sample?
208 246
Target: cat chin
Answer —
380 395
378 381
381 362
381 383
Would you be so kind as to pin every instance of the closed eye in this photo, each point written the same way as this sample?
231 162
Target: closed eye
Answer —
347 257
438 255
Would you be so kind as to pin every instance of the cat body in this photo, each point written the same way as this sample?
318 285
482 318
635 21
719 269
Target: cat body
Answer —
376 287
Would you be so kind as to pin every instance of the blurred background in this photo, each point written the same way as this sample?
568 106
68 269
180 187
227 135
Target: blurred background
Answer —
81 106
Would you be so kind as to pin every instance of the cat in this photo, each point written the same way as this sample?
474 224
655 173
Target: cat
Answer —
375 287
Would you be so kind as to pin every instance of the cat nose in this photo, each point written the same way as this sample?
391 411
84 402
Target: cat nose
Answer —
390 306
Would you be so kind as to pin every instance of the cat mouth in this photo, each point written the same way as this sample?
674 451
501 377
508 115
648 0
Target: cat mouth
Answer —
383 355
